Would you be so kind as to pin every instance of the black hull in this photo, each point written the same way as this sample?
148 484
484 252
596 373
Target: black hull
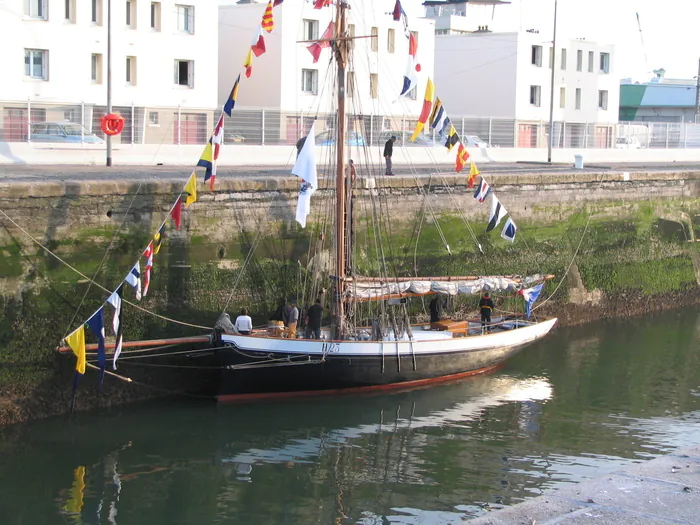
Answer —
338 375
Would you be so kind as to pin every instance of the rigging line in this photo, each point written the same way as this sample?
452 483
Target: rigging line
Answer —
81 274
104 258
245 264
583 235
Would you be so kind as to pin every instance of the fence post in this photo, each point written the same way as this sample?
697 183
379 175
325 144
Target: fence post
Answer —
29 119
585 135
666 135
490 127
563 133
461 132
262 126
82 121
132 122
371 130
179 122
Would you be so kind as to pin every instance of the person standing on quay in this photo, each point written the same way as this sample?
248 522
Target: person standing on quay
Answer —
388 152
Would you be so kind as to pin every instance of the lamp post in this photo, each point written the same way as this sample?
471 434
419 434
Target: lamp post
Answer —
109 77
551 89
697 95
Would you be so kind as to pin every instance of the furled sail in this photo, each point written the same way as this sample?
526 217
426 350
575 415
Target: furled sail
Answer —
380 290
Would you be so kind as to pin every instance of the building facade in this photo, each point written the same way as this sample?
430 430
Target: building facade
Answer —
163 67
460 17
660 100
293 89
508 76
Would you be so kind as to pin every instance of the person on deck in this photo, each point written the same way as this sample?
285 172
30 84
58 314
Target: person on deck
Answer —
435 309
388 152
313 320
486 307
292 320
279 314
244 324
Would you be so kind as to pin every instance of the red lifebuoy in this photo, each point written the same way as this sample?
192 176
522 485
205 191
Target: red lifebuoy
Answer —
112 124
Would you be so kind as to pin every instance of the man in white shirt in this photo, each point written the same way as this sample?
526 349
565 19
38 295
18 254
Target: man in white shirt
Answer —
293 320
244 324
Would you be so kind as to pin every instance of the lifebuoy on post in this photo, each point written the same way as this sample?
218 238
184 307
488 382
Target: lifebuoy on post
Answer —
112 124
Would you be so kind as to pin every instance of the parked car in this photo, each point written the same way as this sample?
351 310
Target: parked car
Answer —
327 138
232 136
62 132
627 143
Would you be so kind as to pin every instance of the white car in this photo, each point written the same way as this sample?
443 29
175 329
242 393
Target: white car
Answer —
627 143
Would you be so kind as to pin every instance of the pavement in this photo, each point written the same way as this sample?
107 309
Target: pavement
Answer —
63 173
661 491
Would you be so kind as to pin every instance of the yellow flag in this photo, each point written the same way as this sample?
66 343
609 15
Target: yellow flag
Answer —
75 503
473 170
425 112
191 189
76 341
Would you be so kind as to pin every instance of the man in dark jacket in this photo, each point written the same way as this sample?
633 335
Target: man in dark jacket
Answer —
388 151
486 307
313 321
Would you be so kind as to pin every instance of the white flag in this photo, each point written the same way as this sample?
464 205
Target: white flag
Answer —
305 166
134 279
498 211
304 203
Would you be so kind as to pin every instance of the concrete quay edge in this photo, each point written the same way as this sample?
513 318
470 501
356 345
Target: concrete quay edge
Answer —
126 183
663 490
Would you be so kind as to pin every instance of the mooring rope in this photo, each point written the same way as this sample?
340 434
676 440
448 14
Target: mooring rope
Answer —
81 274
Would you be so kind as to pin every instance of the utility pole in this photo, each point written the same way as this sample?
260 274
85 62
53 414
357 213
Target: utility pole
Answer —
109 76
551 90
697 95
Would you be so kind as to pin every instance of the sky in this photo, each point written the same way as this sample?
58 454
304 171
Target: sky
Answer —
670 29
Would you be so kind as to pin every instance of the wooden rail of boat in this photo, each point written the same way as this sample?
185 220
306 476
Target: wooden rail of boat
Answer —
141 344
447 278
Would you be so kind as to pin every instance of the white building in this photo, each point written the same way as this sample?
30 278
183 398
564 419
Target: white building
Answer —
508 76
459 17
54 59
285 78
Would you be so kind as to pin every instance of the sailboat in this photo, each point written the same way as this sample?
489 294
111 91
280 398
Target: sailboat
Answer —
388 351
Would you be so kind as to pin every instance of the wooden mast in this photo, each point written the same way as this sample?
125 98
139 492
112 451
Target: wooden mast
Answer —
340 47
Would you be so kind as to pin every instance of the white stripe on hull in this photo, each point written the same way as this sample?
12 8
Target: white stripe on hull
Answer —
507 338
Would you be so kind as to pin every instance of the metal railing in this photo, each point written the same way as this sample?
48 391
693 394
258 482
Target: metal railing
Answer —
23 122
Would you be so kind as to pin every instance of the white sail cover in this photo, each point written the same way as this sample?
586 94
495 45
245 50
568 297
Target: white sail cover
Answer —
364 290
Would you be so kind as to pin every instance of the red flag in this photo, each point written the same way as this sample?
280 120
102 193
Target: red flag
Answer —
277 2
268 22
316 48
258 46
462 157
148 254
176 212
248 64
318 4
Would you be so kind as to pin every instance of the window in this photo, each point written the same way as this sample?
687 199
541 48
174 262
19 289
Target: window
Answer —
155 16
591 59
184 73
351 35
131 71
535 95
373 85
605 62
374 32
131 14
563 59
579 60
309 81
390 36
96 12
562 97
537 56
578 98
70 11
37 9
310 30
36 63
153 118
96 68
350 87
185 19
603 100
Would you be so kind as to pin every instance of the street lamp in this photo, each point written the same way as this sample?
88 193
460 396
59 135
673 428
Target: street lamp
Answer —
109 77
551 90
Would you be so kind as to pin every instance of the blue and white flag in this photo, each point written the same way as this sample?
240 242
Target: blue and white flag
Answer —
116 301
498 211
483 190
134 279
97 326
530 295
509 230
